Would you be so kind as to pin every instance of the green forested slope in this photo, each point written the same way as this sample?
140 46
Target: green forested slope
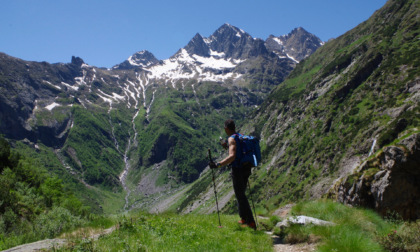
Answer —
34 204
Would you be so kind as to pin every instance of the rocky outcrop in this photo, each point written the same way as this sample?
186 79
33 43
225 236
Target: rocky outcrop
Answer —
388 182
303 220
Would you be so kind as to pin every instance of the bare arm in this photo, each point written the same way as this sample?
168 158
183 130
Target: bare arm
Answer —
232 152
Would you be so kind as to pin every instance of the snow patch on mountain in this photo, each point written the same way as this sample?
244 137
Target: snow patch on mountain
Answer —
108 98
84 65
217 54
185 66
290 57
134 63
142 87
214 63
128 94
171 68
70 86
52 105
278 40
208 40
49 83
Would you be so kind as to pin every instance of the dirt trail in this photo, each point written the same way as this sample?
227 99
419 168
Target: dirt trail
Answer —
53 243
279 245
301 247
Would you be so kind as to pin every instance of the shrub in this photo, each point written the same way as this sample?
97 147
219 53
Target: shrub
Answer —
56 221
406 238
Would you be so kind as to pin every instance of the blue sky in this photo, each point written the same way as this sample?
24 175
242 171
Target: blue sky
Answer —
106 32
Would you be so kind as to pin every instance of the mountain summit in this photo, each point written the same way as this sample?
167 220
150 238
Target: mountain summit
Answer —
297 45
198 46
139 59
235 43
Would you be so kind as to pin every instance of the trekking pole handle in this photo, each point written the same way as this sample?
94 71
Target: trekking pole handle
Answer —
223 143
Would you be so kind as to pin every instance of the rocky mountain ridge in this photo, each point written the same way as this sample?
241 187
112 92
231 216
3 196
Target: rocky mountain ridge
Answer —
232 44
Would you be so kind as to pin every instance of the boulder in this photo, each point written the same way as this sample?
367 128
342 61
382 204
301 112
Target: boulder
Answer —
303 220
388 182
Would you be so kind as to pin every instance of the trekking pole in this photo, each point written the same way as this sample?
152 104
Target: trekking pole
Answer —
214 187
253 206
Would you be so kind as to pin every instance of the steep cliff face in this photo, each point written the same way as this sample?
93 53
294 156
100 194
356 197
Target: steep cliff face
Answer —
386 182
25 87
320 124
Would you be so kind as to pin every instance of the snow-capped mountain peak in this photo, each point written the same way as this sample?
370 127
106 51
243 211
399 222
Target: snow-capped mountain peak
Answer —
296 45
141 59
197 45
215 58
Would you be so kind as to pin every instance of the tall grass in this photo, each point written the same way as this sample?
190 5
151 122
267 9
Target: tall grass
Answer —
355 229
171 232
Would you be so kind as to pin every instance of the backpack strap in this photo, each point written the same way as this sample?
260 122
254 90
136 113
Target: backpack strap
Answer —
236 136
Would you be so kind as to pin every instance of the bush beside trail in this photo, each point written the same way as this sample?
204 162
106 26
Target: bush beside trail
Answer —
33 204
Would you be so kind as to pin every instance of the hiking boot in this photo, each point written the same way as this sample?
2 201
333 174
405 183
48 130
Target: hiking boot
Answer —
250 225
242 221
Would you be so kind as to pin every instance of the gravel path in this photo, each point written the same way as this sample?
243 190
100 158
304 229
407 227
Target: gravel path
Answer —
301 247
279 246
39 245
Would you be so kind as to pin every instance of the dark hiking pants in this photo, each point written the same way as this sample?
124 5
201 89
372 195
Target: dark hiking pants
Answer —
240 177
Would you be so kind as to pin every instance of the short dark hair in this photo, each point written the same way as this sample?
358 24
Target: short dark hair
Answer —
230 124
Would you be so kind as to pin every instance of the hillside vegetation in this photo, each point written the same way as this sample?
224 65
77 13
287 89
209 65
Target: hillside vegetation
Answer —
357 90
34 205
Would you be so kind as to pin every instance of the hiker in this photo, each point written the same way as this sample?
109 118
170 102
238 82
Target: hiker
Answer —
240 174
